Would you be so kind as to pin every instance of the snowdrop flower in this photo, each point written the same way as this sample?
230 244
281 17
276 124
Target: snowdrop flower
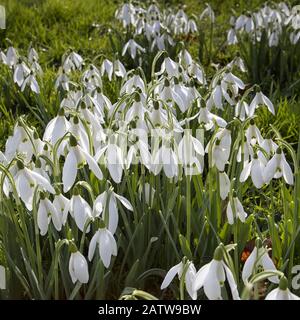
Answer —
212 277
196 71
78 267
106 243
2 278
231 37
165 158
255 168
62 205
62 81
133 48
216 98
259 257
26 180
107 66
282 292
208 12
253 134
260 99
80 210
209 119
132 84
126 14
19 142
139 152
278 167
190 151
11 57
72 62
137 109
169 94
234 83
21 72
30 80
113 160
106 202
170 67
47 212
32 55
220 148
189 277
247 152
56 128
224 185
76 157
185 57
269 146
119 69
241 110
235 210
78 130
239 62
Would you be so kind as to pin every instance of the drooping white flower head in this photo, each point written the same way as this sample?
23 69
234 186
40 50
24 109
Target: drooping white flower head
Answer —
255 168
259 257
133 48
212 277
278 167
77 156
224 184
260 99
26 180
189 279
282 292
235 210
78 268
47 212
80 211
106 203
106 243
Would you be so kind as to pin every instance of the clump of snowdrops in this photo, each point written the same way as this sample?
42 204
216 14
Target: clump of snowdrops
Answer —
269 42
112 194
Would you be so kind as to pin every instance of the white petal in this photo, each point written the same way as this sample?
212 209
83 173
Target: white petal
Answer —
229 213
268 264
40 180
124 201
92 164
272 295
212 288
200 276
269 104
170 275
81 268
232 283
113 214
71 269
256 173
42 218
249 265
69 171
287 171
92 245
270 170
